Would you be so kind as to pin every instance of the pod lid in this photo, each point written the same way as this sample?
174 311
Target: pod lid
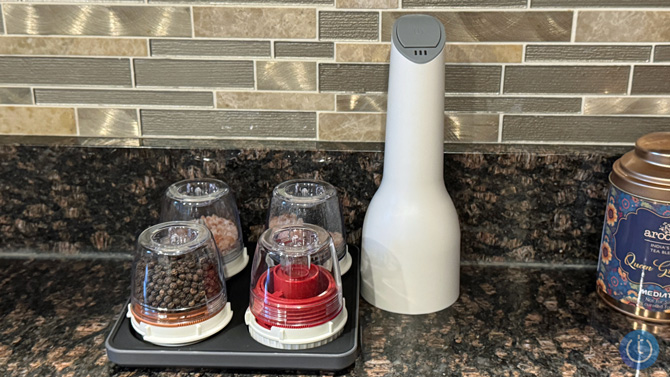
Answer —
197 191
645 171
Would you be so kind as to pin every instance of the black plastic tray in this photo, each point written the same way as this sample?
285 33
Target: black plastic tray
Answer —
233 348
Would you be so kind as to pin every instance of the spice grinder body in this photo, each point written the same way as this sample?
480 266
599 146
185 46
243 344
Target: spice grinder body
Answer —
411 237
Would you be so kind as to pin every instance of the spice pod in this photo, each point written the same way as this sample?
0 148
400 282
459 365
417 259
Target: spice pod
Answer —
296 291
306 201
212 203
178 292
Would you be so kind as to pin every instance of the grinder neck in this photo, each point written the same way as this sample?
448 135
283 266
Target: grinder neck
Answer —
414 146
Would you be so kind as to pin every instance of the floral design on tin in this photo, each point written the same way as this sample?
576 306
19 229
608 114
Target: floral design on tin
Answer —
611 214
665 228
606 253
613 279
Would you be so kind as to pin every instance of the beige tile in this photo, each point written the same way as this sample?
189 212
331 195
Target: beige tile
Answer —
483 53
623 26
73 46
361 102
363 52
108 122
471 128
239 22
286 75
351 127
274 101
37 121
367 4
627 105
104 20
454 53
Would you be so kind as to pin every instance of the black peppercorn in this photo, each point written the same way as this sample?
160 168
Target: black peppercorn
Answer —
179 284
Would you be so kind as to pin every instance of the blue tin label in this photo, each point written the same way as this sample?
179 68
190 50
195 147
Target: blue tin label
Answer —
634 263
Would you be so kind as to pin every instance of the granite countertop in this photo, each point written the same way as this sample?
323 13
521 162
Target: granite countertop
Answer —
509 321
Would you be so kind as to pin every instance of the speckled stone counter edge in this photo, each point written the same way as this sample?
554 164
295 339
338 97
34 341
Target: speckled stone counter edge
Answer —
515 203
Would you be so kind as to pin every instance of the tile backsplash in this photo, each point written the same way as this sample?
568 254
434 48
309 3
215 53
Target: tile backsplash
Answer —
517 71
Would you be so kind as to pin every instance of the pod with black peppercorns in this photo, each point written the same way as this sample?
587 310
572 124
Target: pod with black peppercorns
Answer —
178 290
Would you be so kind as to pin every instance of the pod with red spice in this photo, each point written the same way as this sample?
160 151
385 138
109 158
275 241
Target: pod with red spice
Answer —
296 291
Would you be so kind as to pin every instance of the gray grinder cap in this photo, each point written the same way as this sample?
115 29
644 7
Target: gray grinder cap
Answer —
418 37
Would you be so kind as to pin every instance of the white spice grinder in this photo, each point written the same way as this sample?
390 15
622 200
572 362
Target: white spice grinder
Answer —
411 238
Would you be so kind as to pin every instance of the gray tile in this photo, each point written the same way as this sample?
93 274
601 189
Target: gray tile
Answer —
190 47
349 25
554 26
374 78
279 75
361 102
566 79
304 49
599 3
513 104
16 96
651 79
662 53
589 129
464 3
194 73
105 20
108 122
124 97
359 78
588 53
65 71
268 124
472 78
471 128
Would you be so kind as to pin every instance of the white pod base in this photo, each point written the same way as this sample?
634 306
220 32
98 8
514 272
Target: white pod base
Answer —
296 339
345 262
235 266
181 335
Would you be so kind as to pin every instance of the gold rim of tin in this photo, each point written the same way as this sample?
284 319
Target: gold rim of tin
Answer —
645 171
636 195
634 311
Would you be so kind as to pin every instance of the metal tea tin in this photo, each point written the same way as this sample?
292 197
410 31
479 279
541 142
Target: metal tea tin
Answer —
634 263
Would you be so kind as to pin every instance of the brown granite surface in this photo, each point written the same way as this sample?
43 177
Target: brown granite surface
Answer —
508 322
530 204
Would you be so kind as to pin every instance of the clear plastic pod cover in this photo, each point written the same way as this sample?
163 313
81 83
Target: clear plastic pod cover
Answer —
178 292
296 291
301 201
210 202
